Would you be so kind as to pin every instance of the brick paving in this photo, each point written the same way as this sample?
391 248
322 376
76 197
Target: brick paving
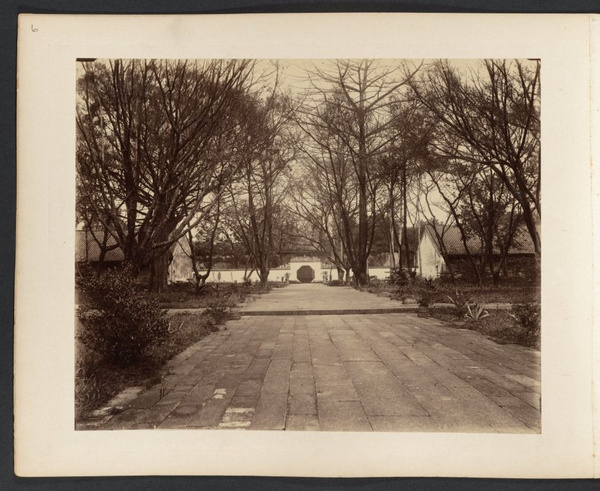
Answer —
370 372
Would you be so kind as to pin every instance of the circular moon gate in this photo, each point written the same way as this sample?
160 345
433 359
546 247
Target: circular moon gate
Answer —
305 274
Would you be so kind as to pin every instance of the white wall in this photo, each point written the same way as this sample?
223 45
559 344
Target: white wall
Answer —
180 270
380 273
430 262
225 275
184 273
231 276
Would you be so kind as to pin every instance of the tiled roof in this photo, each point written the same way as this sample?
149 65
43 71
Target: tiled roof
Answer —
87 249
452 238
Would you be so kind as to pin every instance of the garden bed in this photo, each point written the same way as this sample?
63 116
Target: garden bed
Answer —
488 294
183 295
97 381
499 326
511 315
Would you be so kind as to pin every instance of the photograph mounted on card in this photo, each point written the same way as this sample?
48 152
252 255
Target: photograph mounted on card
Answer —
307 248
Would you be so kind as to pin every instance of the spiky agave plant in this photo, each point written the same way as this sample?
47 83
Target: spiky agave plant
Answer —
476 312
460 301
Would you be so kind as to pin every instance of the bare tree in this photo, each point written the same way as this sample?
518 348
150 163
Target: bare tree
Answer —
151 149
402 164
350 102
258 196
490 116
492 215
204 240
452 188
324 202
487 216
328 195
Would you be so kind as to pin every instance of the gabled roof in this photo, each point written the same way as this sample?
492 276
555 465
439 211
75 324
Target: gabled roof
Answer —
454 245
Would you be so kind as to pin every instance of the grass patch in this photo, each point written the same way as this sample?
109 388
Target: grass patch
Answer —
183 296
502 328
336 283
500 293
499 325
97 381
186 329
446 314
436 292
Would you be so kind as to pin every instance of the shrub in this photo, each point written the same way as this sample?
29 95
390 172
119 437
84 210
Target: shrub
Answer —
431 283
119 322
216 309
528 317
426 297
335 283
445 278
401 277
374 285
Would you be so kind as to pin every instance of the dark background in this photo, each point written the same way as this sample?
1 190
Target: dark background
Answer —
9 10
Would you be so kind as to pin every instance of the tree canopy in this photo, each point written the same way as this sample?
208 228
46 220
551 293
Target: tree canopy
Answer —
228 152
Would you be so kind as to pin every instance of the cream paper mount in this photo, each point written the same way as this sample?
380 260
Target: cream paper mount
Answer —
46 443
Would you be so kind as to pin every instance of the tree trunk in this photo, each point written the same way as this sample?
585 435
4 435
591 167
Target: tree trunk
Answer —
362 278
405 220
102 254
264 281
159 270
531 228
263 274
393 233
496 276
363 228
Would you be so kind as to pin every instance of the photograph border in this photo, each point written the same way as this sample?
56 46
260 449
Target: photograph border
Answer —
54 179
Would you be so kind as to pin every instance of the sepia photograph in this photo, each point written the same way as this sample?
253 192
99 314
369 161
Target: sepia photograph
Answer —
308 245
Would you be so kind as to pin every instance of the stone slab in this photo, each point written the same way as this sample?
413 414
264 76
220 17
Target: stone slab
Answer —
403 423
302 423
302 404
342 416
271 412
380 392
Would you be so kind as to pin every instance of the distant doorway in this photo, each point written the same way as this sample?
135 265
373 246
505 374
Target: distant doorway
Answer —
305 274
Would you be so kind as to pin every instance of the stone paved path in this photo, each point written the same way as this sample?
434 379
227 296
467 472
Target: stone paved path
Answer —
298 298
371 372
